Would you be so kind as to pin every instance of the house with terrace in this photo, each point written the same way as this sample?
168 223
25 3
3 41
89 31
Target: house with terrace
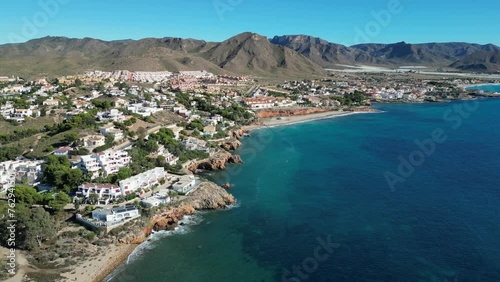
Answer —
143 181
105 192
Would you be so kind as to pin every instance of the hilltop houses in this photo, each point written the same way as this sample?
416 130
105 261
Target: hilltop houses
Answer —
105 192
93 141
185 184
108 162
51 102
111 130
169 157
12 172
143 181
112 115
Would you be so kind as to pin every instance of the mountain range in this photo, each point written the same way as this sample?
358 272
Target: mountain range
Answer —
246 53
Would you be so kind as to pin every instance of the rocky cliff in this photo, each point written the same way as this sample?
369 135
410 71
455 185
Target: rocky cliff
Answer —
238 134
208 196
215 162
231 145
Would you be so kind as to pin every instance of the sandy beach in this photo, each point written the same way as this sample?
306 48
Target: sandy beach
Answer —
288 120
93 269
97 268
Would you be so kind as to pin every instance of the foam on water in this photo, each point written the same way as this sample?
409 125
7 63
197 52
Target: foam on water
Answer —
184 227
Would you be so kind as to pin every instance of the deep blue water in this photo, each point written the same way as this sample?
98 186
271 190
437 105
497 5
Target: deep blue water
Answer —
493 88
306 184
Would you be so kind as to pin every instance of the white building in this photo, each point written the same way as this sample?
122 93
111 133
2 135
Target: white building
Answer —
111 130
185 184
108 162
51 102
144 109
142 181
105 192
195 144
23 113
12 172
93 141
169 157
116 215
160 198
111 115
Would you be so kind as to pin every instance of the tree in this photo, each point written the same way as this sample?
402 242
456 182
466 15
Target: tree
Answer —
40 227
70 137
78 82
58 173
59 201
141 132
124 173
93 198
173 194
33 227
27 195
78 204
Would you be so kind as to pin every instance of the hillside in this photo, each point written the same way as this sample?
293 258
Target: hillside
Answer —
458 55
254 54
246 53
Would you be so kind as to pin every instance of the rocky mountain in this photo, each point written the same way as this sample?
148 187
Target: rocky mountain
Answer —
317 50
458 55
433 54
483 61
246 53
253 53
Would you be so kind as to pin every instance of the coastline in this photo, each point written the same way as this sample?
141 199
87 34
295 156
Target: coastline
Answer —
290 120
96 269
207 196
478 85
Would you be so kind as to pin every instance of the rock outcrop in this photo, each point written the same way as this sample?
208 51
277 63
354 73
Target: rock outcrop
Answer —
239 134
231 145
208 196
216 162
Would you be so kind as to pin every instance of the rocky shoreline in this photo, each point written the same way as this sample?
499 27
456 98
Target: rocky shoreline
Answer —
208 196
216 162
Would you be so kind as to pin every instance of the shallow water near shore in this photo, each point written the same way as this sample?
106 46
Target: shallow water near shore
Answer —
305 184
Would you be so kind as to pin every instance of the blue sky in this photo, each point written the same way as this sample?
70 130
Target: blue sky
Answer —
342 21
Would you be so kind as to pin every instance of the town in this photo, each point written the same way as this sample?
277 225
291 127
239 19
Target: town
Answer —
107 148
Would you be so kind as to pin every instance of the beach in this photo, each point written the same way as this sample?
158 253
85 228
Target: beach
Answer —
288 120
97 268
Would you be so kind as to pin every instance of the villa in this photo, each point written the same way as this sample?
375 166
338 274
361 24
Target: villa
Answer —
93 141
143 181
106 192
185 184
12 172
108 162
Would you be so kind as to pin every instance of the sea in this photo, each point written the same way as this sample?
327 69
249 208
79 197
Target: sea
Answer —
492 88
408 194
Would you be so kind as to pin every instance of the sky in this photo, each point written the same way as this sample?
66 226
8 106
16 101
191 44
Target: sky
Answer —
345 22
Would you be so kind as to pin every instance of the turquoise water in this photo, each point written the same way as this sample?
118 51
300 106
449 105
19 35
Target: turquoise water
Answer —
314 204
492 88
